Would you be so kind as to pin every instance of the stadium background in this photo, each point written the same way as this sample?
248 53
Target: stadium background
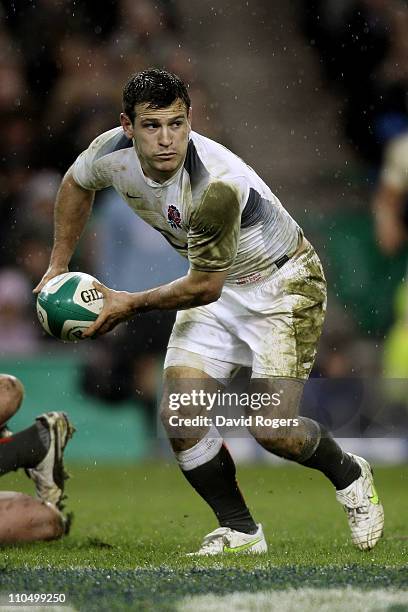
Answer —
308 93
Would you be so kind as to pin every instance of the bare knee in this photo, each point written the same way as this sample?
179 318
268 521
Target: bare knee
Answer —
181 419
11 396
276 425
181 437
26 519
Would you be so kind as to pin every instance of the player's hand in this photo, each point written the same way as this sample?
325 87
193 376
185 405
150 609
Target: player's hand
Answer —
118 306
52 272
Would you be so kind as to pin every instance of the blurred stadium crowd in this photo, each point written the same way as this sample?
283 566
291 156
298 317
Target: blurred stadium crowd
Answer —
362 49
362 46
62 68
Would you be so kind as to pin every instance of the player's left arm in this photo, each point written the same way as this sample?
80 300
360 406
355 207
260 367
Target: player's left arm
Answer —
390 197
389 227
212 246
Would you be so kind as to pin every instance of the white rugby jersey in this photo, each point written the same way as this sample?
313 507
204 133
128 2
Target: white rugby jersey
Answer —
215 210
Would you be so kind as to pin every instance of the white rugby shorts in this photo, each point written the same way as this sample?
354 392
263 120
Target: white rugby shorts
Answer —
271 325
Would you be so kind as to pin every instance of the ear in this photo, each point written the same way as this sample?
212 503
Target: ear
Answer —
127 125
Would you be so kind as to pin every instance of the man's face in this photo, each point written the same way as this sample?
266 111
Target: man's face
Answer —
161 138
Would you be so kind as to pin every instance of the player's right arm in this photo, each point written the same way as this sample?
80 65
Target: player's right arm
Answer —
74 203
72 209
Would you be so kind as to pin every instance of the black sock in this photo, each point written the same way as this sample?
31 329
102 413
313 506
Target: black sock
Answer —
25 449
215 482
329 458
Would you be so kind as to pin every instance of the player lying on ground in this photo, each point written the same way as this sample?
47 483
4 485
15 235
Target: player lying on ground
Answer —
255 295
39 450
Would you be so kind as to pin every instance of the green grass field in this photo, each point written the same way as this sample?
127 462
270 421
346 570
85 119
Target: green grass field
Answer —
133 525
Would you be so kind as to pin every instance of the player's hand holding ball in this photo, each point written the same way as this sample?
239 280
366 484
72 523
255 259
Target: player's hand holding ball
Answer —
74 306
118 306
51 273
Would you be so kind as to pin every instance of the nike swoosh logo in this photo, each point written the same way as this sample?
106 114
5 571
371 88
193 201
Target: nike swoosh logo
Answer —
374 499
134 197
227 549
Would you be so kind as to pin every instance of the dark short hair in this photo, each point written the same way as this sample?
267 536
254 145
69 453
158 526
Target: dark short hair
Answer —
158 88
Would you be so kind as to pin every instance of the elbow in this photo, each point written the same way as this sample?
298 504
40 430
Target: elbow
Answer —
205 287
209 294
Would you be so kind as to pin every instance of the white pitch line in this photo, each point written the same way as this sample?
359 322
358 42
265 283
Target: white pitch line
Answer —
293 600
47 608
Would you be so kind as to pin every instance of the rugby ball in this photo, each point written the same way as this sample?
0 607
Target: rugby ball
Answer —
68 304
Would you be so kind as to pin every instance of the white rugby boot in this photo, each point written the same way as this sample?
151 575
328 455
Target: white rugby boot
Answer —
49 475
224 541
364 510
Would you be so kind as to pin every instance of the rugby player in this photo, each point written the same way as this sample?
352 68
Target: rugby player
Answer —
254 295
39 450
390 201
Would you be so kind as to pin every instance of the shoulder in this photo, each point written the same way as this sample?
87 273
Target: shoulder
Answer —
395 166
215 157
195 163
212 166
93 169
109 142
219 207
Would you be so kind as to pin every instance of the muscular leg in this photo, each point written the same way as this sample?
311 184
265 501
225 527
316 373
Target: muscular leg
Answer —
176 380
306 442
202 456
25 519
27 448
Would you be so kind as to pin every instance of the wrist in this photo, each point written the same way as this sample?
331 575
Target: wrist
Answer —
139 302
56 268
59 262
133 302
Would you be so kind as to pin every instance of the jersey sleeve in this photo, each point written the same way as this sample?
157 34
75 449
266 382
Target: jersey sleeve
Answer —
86 170
214 229
395 169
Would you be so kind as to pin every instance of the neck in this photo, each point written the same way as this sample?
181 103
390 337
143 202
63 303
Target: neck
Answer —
158 177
